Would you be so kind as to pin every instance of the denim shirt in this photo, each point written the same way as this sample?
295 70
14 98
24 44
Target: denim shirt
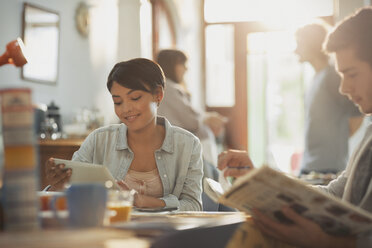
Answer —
179 161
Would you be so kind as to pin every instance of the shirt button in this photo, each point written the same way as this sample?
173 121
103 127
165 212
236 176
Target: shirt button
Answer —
159 157
165 175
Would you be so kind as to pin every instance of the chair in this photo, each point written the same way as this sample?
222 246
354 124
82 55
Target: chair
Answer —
211 171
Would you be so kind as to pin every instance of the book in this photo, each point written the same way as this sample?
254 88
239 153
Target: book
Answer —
269 190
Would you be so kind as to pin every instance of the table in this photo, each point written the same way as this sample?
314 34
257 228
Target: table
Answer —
140 232
154 224
82 238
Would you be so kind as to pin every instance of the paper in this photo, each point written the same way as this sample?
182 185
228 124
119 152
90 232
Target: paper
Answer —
269 190
225 184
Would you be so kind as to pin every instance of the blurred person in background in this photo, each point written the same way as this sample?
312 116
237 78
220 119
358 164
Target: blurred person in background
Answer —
178 109
327 112
351 43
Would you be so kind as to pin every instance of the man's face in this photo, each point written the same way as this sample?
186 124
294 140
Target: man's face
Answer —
307 50
356 82
302 50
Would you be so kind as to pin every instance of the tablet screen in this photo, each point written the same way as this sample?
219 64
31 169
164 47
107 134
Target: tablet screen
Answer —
88 173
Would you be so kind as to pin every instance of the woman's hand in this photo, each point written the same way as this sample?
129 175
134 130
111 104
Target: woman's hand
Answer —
236 163
123 185
303 232
145 201
142 201
57 175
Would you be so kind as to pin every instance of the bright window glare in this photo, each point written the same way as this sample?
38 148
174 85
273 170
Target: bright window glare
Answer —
219 43
265 10
262 42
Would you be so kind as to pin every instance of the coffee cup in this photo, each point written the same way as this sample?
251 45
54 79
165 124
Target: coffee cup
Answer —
86 204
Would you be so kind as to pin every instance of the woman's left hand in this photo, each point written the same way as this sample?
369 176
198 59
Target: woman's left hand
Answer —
303 232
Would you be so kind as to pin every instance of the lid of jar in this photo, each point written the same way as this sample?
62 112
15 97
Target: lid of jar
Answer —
52 106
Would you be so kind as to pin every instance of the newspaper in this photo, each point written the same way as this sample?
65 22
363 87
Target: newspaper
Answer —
268 190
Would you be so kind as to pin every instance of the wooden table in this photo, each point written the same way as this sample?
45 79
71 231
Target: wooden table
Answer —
59 148
81 238
141 232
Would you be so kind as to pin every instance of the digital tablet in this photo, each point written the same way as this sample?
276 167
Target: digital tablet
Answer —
88 173
155 210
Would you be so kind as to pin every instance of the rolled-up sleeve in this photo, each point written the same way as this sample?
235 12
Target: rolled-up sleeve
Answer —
335 187
190 197
86 150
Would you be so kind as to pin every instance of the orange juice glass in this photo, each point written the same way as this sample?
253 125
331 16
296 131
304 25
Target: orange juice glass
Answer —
46 198
119 205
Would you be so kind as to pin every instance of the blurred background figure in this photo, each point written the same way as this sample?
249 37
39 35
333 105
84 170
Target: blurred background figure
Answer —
327 112
178 109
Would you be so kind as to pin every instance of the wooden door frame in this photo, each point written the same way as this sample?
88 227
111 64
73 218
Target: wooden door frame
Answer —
237 127
158 7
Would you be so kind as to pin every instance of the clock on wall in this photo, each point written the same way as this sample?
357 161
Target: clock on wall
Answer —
82 19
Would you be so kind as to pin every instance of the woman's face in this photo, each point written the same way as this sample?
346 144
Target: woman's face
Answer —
180 70
137 109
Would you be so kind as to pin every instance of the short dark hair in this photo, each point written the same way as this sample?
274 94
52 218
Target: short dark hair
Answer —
314 34
353 32
168 59
138 74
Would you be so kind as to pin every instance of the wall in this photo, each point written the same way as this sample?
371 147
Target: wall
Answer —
84 63
347 7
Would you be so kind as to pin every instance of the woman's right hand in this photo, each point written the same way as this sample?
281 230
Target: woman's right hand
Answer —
56 175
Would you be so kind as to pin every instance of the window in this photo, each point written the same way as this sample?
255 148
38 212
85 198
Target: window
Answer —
217 11
275 98
219 43
253 76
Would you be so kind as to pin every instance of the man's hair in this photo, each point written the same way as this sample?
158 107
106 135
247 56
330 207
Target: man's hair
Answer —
137 74
353 32
168 59
314 35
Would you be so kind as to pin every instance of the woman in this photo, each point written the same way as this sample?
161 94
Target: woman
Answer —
146 153
177 107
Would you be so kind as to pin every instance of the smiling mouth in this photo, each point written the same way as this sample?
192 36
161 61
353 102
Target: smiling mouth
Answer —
131 117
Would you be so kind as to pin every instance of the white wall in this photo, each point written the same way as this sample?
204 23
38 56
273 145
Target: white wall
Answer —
84 63
347 7
129 30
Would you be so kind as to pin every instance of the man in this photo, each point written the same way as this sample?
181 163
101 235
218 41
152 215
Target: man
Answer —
327 112
351 43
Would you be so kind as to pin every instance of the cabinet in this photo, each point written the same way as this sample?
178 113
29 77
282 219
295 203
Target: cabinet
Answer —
60 148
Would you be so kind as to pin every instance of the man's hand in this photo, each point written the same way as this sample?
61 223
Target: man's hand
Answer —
237 163
303 232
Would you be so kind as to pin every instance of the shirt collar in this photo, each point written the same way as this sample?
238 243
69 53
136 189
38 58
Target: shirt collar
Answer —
168 143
